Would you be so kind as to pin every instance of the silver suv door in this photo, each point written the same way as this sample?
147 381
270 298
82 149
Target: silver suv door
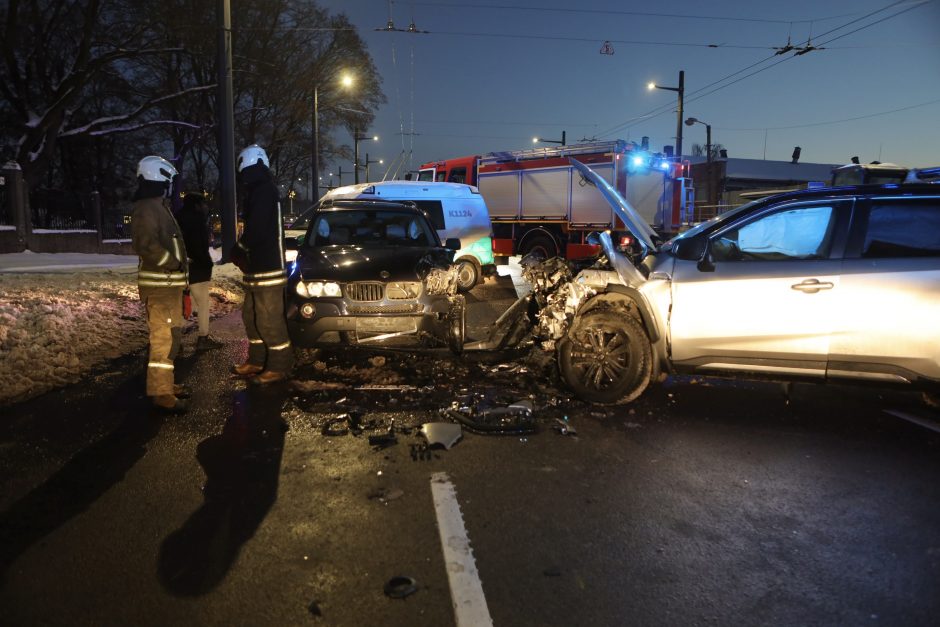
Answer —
768 303
888 306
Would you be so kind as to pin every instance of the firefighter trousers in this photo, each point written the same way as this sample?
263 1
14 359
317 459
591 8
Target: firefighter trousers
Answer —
266 326
165 319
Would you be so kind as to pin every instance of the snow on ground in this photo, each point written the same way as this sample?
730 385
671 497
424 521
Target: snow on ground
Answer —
62 315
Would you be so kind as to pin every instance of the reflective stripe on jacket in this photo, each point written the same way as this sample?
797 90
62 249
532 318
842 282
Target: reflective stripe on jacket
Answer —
266 279
146 278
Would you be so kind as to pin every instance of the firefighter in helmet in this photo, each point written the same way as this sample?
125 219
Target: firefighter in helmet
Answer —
161 278
259 254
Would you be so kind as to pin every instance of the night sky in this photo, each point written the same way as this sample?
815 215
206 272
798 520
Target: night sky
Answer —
487 78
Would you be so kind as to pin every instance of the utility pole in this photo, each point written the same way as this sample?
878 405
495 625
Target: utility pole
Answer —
227 210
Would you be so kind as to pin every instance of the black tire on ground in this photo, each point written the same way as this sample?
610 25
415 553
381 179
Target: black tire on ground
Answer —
542 245
606 358
468 274
457 326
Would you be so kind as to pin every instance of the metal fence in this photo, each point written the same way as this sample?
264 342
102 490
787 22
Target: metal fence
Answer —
6 209
62 210
115 224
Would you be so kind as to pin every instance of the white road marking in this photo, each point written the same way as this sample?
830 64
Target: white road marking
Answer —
466 590
933 425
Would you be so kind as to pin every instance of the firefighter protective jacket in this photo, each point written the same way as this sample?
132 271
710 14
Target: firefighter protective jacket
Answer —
262 240
158 242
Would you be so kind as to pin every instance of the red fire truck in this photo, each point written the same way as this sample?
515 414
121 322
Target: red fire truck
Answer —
538 202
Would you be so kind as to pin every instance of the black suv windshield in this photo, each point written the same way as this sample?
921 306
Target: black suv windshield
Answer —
370 228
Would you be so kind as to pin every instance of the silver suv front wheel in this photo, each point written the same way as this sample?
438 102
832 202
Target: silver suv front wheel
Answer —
606 358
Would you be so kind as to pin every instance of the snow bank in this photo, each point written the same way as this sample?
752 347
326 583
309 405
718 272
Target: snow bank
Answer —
55 327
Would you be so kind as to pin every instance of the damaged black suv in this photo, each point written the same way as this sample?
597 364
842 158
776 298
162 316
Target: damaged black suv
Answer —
374 272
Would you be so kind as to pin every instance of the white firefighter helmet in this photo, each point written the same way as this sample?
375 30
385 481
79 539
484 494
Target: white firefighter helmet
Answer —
251 156
154 168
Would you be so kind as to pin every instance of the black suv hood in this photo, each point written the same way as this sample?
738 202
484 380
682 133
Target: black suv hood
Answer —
355 263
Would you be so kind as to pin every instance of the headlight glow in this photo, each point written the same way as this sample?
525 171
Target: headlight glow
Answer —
317 289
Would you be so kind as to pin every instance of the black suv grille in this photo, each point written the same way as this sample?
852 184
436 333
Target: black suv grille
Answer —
365 291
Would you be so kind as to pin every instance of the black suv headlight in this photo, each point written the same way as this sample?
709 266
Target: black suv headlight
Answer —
316 289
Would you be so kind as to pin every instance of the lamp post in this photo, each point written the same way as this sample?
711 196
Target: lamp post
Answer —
708 136
345 81
681 91
367 163
356 139
536 140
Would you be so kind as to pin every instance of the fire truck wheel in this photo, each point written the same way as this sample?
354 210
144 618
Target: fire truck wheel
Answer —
541 245
606 358
468 274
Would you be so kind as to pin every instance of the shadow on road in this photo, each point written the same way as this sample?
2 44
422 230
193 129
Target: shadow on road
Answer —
84 478
242 465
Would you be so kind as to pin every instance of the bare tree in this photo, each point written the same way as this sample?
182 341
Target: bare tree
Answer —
90 85
698 150
54 52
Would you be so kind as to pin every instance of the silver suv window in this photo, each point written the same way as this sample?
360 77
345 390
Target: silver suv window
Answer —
903 229
793 233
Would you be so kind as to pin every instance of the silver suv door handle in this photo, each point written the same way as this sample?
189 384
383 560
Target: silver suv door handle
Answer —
811 286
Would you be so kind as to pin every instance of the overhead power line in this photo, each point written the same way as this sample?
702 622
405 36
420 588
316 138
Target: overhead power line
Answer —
701 92
827 123
543 9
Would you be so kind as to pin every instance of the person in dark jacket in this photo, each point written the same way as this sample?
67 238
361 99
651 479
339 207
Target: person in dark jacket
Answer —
193 222
259 254
161 278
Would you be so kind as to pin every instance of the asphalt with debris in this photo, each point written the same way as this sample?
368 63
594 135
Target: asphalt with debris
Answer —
704 502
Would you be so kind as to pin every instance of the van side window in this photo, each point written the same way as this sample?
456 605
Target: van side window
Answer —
457 175
435 212
898 228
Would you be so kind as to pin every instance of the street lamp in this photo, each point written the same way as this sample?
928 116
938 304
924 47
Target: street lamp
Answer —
681 91
708 136
536 140
345 80
356 139
368 162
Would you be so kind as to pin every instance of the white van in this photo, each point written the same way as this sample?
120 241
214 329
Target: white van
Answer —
455 210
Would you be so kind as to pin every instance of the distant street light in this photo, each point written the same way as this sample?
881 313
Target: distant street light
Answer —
708 136
537 140
681 91
356 139
368 162
346 80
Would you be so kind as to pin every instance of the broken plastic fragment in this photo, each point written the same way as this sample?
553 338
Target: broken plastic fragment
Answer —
523 405
562 427
444 433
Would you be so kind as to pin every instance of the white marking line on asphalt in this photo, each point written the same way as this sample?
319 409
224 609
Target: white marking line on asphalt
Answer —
466 590
917 420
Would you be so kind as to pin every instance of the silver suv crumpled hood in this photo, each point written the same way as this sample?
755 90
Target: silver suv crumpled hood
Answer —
634 223
643 232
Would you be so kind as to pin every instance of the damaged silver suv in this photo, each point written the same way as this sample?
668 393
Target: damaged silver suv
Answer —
825 285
